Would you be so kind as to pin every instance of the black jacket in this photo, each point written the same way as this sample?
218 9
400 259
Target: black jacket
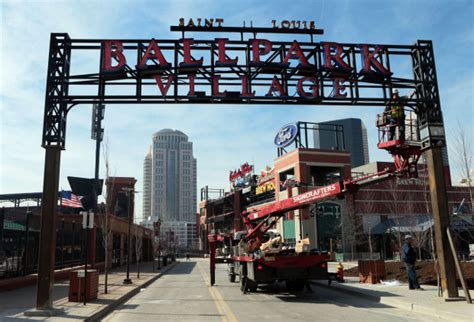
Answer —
408 254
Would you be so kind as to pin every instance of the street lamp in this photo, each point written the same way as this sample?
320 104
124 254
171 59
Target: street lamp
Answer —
129 191
158 241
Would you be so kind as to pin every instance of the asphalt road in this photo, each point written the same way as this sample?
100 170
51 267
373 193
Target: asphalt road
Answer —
184 294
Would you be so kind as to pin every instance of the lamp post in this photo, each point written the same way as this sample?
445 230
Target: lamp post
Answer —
128 191
27 235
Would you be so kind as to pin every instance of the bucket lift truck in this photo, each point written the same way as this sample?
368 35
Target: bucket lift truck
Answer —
254 260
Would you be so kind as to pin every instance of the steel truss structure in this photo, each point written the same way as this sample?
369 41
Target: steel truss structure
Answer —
360 88
217 83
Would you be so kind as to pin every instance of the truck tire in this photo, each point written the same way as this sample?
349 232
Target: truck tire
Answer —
243 284
243 277
231 277
231 273
295 285
252 285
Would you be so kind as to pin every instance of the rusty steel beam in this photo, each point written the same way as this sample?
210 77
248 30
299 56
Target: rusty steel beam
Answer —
439 204
47 246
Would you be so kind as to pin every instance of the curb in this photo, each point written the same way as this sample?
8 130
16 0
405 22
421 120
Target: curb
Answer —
102 313
397 303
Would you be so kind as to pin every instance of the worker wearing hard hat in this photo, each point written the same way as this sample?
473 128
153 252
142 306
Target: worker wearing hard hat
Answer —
409 258
395 112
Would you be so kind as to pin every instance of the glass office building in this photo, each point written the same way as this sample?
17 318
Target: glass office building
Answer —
354 136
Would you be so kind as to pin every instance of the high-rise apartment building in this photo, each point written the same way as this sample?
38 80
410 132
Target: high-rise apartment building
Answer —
355 139
169 178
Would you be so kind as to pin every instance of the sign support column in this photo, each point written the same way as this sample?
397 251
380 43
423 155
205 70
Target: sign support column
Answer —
440 209
47 246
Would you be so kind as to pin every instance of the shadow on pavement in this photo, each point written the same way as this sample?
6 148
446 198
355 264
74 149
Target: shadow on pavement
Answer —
62 316
128 306
182 268
317 295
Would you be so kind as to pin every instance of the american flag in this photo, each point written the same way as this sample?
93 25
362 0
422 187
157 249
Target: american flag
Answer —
68 199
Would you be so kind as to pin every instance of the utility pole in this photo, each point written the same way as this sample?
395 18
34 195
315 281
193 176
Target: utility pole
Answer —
97 133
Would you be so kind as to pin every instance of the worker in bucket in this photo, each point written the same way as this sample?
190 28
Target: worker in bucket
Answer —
409 258
395 113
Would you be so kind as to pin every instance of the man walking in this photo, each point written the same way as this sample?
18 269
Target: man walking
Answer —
409 258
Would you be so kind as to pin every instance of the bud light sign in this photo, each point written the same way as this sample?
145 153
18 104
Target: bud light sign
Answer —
286 135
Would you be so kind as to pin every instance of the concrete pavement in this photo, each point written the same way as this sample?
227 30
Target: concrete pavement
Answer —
13 304
425 302
184 294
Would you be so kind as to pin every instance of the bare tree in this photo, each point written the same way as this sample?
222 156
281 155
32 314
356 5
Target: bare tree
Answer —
462 152
423 177
367 209
138 239
104 218
352 227
394 204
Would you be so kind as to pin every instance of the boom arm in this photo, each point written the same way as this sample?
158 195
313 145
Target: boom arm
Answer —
277 209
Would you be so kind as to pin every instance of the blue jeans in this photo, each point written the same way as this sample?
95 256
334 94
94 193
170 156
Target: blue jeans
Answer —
394 123
412 280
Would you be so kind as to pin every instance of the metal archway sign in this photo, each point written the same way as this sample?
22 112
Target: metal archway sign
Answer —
255 70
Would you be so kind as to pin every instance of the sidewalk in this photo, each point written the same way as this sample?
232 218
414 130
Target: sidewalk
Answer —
425 302
14 303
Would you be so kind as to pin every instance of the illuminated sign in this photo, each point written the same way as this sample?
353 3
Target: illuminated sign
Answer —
242 176
286 135
265 187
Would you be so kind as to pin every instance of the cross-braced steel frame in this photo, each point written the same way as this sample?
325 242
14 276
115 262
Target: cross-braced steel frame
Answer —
362 89
65 90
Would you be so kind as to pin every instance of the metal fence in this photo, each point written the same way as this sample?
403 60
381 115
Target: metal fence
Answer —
341 257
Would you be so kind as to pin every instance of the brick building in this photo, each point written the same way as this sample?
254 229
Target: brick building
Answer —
20 229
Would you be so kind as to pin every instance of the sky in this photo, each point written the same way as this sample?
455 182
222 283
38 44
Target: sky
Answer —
223 136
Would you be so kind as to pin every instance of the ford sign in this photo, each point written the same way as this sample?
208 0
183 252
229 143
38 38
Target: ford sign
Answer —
286 135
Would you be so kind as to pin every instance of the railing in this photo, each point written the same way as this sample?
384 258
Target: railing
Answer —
386 125
340 257
12 265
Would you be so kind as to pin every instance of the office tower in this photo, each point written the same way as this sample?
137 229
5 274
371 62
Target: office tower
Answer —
355 139
169 178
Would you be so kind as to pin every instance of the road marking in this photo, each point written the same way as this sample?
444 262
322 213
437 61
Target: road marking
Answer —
221 305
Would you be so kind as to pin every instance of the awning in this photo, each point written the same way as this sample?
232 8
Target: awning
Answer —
405 224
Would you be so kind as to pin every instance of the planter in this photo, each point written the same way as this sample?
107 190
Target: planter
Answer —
76 285
371 271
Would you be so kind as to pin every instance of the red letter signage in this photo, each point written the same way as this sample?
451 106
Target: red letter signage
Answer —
215 86
245 87
109 53
191 78
295 52
338 91
314 88
276 86
336 58
188 61
159 82
153 51
223 61
369 61
257 51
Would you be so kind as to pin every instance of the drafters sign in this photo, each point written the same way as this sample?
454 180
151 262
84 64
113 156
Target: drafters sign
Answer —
302 69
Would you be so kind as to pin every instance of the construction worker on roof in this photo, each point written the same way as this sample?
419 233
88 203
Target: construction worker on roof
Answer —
395 113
